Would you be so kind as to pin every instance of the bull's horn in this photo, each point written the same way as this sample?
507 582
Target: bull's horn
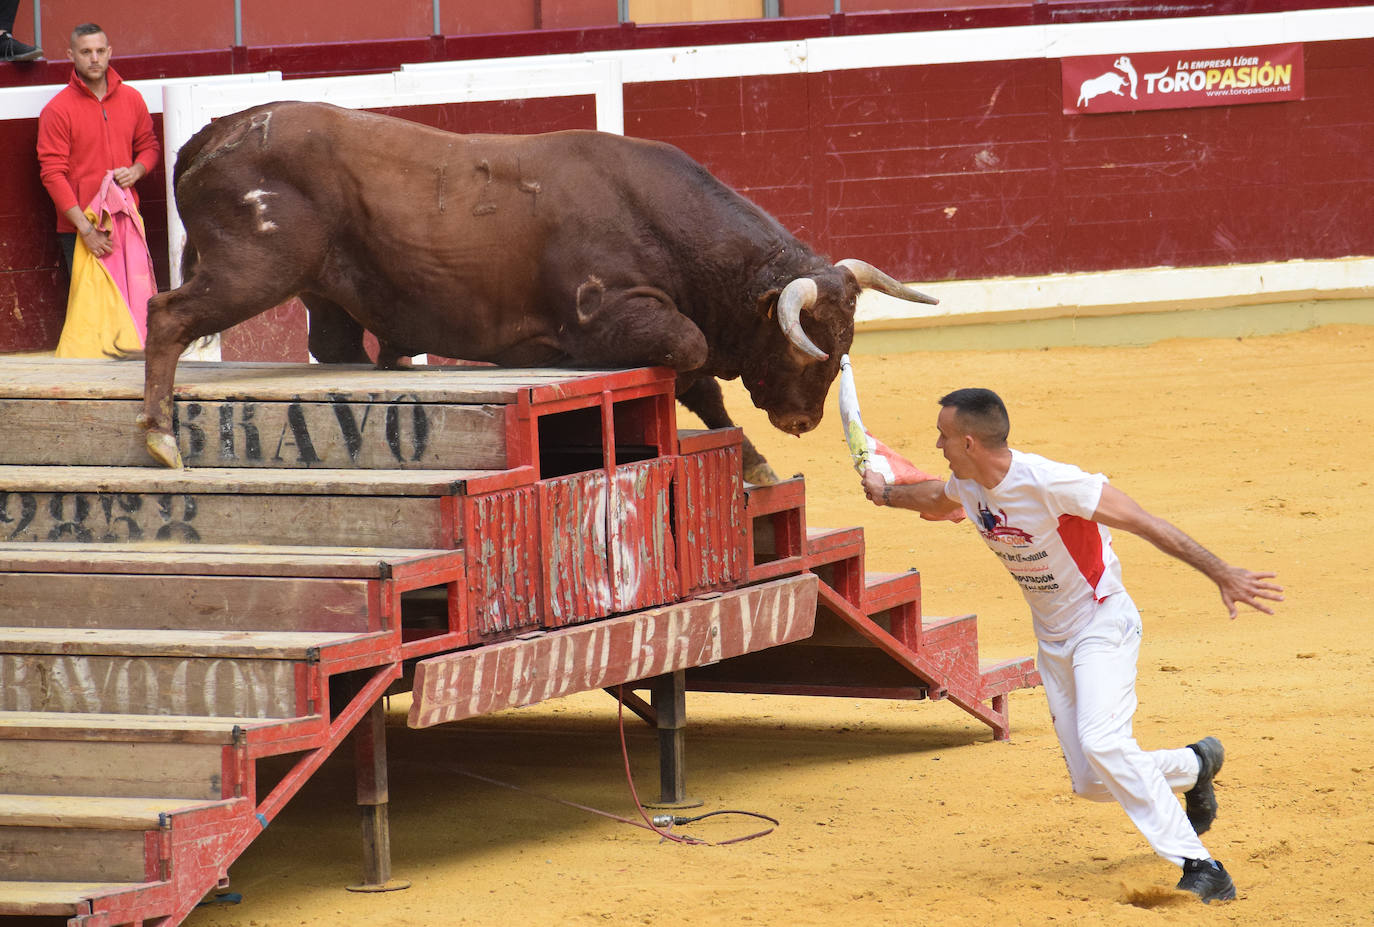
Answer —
871 278
796 298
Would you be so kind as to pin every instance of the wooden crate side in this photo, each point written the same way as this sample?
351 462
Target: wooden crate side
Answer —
615 650
112 768
149 685
501 540
221 518
55 854
405 433
95 600
576 548
643 557
49 378
711 526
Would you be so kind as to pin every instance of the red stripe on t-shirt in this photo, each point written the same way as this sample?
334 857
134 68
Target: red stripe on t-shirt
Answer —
1084 543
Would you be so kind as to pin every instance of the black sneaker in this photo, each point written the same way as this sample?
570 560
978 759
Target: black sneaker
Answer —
1201 801
1208 879
11 49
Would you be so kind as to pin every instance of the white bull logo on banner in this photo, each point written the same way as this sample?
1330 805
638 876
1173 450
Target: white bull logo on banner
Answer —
1109 82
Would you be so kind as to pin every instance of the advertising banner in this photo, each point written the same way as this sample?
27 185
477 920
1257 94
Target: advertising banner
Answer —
1182 79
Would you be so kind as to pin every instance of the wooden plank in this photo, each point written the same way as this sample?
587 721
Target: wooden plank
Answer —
224 518
186 602
49 853
64 767
149 685
405 434
711 524
699 440
50 378
182 729
575 545
886 590
317 481
89 812
1008 675
226 644
779 497
501 540
643 559
612 651
52 899
224 559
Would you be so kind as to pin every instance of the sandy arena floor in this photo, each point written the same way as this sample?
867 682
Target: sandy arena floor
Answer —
908 813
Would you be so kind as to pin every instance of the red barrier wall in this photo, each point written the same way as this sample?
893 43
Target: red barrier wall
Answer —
150 27
134 27
937 172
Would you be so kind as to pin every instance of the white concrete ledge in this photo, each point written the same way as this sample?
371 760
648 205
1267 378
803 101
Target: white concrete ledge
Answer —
1122 292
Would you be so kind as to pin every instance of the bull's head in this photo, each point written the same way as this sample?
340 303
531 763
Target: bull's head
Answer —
816 315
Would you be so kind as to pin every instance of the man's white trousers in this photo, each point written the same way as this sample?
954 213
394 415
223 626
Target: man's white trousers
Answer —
1089 681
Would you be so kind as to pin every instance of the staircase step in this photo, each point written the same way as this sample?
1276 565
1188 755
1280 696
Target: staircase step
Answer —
129 769
226 506
177 685
162 559
54 752
784 496
90 812
935 627
213 587
1001 677
202 603
252 645
824 545
299 415
181 729
887 590
150 480
58 899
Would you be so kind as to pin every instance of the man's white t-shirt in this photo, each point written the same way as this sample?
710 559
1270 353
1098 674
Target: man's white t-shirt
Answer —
1038 522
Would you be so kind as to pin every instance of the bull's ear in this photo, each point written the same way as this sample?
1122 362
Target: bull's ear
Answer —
767 305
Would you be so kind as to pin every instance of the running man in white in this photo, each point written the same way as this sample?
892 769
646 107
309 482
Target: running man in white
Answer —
1048 524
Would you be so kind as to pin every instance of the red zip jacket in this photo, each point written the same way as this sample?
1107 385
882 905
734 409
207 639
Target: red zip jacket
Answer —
81 138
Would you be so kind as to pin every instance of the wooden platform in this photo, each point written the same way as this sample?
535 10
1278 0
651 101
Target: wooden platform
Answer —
494 537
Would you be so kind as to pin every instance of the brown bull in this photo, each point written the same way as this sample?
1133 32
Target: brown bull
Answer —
568 249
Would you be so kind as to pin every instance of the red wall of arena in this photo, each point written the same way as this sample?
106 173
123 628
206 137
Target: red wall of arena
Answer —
210 25
939 172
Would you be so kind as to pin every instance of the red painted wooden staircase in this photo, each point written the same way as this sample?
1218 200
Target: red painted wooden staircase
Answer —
345 532
130 734
871 639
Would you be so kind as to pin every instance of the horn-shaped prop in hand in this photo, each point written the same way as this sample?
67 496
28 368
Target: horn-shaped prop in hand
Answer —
871 278
796 298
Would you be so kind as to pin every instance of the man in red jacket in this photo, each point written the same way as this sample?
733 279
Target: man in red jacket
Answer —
94 125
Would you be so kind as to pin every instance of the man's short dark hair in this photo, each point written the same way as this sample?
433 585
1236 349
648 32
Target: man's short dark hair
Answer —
85 29
981 413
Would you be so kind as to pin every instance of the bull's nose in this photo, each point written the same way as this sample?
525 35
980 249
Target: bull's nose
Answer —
794 423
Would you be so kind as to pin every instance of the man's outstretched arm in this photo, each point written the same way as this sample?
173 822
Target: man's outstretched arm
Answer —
927 497
1118 510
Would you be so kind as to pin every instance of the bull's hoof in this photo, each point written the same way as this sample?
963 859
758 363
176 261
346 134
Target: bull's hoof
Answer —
163 448
760 474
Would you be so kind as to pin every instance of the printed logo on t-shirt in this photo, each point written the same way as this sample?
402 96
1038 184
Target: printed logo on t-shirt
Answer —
995 528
